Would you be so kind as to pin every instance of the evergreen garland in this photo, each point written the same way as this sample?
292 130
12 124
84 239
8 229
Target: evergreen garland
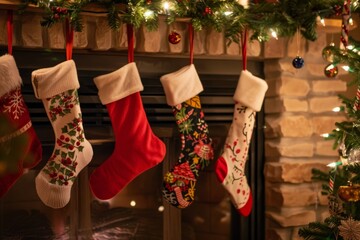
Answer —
285 17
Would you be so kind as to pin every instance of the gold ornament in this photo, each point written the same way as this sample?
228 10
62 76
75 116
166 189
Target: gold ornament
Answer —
349 193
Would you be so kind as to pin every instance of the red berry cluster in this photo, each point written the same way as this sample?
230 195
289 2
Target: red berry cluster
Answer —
58 12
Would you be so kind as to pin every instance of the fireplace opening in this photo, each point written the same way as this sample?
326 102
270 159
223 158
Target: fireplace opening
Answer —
138 212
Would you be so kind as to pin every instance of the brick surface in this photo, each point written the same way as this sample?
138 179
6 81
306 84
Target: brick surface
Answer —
294 87
292 171
325 148
294 217
324 104
290 196
325 124
295 105
289 149
273 105
326 86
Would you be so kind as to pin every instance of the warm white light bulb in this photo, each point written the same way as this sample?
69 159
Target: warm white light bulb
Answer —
346 68
325 135
166 6
336 109
227 13
133 203
274 34
148 14
322 21
351 21
161 208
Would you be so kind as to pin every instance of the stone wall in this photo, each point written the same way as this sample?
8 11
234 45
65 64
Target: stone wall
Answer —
298 109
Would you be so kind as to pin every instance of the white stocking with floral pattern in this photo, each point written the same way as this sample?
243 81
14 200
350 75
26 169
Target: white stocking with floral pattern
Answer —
57 87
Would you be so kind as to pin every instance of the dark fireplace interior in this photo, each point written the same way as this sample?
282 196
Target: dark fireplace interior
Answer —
23 216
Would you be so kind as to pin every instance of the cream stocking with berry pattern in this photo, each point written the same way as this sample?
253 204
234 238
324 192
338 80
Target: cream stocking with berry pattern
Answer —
230 167
57 87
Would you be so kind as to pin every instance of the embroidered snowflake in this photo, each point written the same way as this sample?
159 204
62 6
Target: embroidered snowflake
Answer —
350 229
15 105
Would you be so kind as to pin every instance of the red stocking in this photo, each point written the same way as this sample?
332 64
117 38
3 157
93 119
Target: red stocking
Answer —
20 147
137 149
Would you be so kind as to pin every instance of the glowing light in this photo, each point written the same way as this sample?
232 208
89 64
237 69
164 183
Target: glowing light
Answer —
322 21
274 34
350 47
330 66
351 21
148 14
161 208
336 109
334 164
346 68
325 135
133 203
227 13
166 6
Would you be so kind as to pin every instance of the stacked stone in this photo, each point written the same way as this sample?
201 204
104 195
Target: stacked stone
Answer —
298 110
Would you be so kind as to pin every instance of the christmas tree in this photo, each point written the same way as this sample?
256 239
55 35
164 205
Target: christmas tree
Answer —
342 183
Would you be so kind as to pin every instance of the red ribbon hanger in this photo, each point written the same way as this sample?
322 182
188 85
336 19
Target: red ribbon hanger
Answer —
191 42
130 39
10 30
69 39
243 47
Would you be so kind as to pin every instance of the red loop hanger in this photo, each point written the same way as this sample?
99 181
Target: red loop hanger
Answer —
243 47
69 39
10 29
130 39
191 42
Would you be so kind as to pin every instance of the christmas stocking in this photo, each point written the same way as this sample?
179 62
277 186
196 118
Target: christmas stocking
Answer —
20 147
181 90
229 168
57 88
137 149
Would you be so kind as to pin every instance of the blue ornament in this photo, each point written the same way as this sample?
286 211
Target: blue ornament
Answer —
298 62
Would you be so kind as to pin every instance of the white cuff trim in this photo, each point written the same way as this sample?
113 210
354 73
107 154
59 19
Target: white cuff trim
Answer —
250 91
9 74
48 82
119 84
181 85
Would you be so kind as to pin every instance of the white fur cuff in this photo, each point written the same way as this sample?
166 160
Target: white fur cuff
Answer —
48 82
250 91
181 85
119 84
9 74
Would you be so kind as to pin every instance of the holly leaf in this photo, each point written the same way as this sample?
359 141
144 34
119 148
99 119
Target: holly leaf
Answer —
62 170
57 152
64 129
63 155
53 100
46 171
57 166
51 164
72 141
71 154
80 148
67 172
53 181
72 133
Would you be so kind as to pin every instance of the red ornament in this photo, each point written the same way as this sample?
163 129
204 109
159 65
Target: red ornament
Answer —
207 11
174 37
148 2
